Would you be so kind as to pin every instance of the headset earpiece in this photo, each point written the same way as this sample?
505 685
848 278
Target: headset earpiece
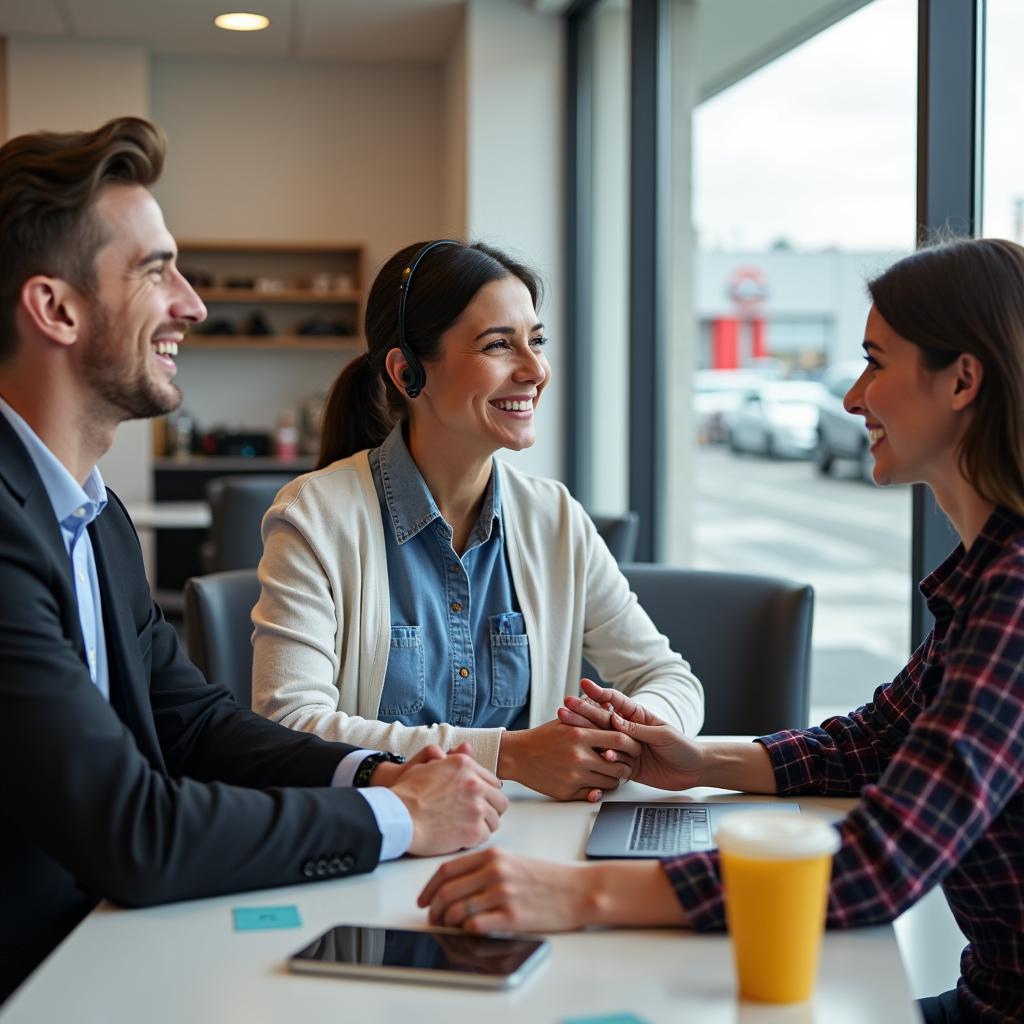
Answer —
413 377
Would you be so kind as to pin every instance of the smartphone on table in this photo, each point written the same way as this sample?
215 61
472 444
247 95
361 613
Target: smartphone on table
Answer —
441 956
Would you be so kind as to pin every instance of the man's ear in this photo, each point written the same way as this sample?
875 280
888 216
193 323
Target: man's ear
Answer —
55 308
969 374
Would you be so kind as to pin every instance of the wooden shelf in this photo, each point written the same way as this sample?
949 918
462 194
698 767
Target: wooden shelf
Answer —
223 463
275 342
297 296
261 247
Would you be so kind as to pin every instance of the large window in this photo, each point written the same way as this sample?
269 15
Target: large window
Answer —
804 185
1003 204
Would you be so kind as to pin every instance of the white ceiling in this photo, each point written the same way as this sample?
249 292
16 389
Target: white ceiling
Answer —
355 30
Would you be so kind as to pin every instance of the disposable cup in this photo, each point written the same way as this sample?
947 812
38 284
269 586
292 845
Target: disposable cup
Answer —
775 872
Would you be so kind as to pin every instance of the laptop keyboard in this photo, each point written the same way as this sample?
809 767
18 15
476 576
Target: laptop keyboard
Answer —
670 830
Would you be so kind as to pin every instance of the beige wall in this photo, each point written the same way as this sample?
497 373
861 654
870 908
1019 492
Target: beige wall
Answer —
455 157
281 150
515 151
63 86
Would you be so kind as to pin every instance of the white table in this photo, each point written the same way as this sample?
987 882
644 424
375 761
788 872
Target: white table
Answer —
169 515
184 962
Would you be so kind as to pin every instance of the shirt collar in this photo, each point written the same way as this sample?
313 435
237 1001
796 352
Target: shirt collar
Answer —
410 503
74 506
947 588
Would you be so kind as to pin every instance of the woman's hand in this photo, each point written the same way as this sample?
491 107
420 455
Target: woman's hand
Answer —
498 891
565 761
667 759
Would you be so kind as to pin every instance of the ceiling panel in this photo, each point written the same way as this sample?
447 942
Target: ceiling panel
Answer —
354 30
411 30
184 26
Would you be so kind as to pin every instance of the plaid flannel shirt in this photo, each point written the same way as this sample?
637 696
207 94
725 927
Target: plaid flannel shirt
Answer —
937 759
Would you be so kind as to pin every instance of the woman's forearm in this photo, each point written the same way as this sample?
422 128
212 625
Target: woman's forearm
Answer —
636 894
743 766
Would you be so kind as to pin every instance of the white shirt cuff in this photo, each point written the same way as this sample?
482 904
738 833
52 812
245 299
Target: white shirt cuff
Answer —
348 766
393 820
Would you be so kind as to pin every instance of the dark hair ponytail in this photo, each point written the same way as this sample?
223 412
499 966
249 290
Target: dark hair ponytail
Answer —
356 415
364 404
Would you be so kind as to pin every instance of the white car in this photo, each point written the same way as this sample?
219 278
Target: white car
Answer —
716 393
840 434
778 419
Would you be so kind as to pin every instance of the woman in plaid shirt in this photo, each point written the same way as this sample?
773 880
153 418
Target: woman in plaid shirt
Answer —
937 757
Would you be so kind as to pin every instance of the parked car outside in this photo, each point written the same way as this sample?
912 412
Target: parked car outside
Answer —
716 393
840 434
779 419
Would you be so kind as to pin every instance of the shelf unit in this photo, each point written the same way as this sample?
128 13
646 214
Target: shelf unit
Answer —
299 342
284 285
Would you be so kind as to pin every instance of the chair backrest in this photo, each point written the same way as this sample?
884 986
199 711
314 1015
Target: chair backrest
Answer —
747 638
218 628
237 506
619 533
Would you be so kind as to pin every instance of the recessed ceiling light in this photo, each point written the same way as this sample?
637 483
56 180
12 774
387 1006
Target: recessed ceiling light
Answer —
239 22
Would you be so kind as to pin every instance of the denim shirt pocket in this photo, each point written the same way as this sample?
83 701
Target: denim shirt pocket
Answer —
510 660
403 692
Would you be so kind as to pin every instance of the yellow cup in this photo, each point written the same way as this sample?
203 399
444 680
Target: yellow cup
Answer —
775 871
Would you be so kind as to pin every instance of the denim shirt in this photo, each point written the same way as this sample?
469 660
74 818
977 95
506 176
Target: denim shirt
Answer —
459 651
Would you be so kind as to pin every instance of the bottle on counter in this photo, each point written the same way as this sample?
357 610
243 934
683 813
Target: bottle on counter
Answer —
286 437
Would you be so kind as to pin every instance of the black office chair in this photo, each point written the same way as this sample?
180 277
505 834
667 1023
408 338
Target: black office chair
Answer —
237 506
619 533
747 638
218 628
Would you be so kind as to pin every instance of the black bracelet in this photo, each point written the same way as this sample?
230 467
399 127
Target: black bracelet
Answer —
368 766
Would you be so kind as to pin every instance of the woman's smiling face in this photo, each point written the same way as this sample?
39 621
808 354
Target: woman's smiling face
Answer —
490 373
914 427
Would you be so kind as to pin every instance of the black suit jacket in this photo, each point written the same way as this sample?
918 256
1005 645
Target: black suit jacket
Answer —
169 791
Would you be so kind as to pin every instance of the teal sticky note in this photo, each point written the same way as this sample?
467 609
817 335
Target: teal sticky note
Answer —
253 919
607 1018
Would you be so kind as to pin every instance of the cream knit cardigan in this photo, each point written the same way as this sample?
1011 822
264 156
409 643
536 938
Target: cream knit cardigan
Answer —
323 622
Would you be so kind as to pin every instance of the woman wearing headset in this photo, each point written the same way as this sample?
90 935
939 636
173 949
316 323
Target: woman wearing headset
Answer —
415 589
937 757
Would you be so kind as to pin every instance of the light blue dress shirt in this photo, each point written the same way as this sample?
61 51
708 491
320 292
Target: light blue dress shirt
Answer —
75 507
459 651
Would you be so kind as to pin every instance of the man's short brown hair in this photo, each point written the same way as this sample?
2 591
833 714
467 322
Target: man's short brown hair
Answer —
49 183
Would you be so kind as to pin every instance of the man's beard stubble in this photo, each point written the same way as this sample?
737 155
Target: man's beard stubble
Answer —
127 387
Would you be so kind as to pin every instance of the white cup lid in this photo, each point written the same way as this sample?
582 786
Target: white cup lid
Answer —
776 835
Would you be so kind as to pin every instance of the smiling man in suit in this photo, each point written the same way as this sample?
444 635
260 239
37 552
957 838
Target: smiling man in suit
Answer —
123 773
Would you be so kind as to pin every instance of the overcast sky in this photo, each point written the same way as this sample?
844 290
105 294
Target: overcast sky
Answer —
819 147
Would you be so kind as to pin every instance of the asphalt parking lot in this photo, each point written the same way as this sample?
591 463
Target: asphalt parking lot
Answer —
849 539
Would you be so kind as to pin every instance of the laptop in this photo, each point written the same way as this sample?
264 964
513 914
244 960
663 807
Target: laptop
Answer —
662 829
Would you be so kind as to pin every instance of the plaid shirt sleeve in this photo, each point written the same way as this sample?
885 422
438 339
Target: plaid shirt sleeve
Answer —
930 789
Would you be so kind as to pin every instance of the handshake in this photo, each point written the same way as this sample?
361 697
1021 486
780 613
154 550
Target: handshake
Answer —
455 803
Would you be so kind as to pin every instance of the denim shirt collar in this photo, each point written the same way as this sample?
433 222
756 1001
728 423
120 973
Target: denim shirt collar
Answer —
410 503
74 506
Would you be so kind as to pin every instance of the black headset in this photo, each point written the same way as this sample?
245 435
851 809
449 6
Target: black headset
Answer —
413 376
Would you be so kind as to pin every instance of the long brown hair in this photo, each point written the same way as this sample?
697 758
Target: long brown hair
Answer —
364 404
49 183
968 296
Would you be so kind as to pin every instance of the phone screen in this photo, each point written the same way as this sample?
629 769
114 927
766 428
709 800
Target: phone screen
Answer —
495 956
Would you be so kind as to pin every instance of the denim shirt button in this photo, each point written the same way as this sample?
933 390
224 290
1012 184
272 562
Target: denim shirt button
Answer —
464 672
454 567
456 607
